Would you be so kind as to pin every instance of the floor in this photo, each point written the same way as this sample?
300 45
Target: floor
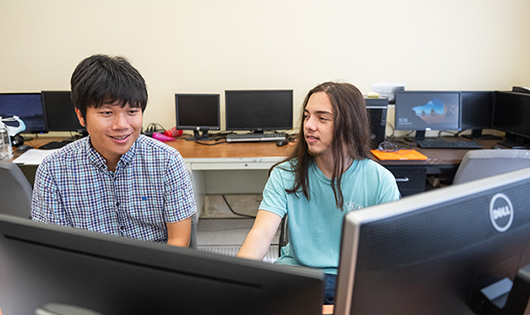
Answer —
225 223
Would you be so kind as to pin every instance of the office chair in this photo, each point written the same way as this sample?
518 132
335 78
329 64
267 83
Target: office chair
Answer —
479 164
284 235
15 191
193 233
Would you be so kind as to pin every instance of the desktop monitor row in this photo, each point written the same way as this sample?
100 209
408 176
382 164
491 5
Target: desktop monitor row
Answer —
251 110
475 110
41 112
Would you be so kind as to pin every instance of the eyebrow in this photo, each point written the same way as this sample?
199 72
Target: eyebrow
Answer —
320 112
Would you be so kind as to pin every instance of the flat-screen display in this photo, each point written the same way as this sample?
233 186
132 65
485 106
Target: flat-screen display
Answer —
427 110
198 112
511 112
477 108
439 252
259 110
28 107
44 264
60 111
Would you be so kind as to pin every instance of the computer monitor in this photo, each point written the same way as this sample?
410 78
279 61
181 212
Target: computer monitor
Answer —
433 253
477 108
28 107
427 110
60 112
260 110
44 263
198 112
510 114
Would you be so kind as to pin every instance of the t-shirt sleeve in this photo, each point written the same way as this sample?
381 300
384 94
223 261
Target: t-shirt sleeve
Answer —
388 190
274 194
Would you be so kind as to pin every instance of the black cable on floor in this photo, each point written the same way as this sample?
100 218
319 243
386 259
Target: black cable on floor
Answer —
232 210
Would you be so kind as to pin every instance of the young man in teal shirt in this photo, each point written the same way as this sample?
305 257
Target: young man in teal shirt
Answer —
328 174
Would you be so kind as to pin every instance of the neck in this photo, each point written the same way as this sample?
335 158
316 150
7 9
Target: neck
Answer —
111 165
326 164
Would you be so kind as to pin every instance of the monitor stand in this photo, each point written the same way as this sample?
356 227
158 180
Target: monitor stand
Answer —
515 142
420 135
199 136
476 134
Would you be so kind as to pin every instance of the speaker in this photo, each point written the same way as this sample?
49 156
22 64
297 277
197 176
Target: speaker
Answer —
377 110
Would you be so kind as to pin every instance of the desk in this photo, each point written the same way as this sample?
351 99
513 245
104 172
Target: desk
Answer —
231 168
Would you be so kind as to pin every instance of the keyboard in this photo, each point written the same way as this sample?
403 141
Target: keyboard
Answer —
249 137
441 144
55 145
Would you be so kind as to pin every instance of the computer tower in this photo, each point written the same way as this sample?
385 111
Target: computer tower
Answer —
377 109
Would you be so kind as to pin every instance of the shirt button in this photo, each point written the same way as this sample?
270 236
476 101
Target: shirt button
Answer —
117 204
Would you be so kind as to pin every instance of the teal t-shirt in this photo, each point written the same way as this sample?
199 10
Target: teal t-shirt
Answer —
315 226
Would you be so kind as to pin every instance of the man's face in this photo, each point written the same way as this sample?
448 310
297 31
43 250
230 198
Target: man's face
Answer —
112 128
318 124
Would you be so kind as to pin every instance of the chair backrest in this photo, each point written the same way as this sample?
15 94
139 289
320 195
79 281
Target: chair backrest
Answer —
15 191
479 164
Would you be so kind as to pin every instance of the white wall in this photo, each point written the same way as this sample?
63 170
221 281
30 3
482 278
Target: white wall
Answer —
208 46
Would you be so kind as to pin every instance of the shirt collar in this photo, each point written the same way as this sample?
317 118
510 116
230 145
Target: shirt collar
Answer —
99 162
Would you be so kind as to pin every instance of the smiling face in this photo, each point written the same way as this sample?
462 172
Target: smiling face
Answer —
318 125
113 129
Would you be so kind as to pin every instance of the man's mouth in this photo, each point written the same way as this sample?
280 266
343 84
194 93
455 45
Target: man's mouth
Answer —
120 138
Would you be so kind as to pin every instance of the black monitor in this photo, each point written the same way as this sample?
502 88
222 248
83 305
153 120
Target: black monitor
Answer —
44 263
28 107
436 252
198 112
427 110
510 114
60 112
259 110
477 108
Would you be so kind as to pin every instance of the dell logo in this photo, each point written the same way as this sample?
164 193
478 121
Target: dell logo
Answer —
501 212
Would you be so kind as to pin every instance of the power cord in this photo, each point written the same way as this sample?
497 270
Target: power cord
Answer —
152 128
232 210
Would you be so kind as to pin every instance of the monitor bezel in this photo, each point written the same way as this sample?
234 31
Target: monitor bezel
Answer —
180 126
229 124
26 131
81 129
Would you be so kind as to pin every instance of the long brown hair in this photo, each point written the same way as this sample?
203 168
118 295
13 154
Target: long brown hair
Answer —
351 137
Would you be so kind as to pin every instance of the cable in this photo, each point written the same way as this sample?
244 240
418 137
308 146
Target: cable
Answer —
240 214
204 143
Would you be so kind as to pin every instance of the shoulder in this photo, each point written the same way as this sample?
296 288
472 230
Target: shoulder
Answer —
284 168
372 168
147 145
72 152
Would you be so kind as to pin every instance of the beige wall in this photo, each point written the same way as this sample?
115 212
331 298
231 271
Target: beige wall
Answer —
208 46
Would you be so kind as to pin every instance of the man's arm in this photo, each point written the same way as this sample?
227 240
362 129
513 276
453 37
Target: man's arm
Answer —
178 233
260 236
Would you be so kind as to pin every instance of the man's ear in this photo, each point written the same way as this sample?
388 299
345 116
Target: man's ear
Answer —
80 117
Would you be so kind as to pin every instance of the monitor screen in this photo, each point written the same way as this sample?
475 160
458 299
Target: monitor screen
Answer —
60 111
477 107
427 110
433 253
44 263
28 107
198 112
510 114
259 110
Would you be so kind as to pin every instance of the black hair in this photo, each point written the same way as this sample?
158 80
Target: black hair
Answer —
102 79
